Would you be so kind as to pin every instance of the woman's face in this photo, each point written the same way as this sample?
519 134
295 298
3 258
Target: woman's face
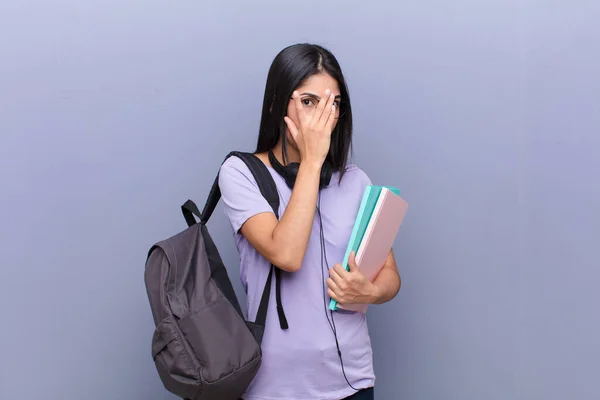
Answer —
311 91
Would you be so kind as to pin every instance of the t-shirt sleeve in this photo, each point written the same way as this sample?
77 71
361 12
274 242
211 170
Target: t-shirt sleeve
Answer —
363 179
240 193
366 179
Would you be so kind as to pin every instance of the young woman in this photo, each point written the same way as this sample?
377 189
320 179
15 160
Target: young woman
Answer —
304 140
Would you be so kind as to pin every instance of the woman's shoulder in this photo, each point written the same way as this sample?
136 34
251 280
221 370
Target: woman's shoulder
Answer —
233 163
356 175
352 168
237 165
235 179
234 169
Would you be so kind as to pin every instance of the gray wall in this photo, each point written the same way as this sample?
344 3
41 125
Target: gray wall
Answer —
485 113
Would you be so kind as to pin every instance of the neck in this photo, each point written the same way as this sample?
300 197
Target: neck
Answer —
292 153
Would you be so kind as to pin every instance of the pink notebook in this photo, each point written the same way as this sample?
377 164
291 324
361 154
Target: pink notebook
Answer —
379 237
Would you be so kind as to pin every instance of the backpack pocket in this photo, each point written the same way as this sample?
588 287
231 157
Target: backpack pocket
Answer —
172 362
220 339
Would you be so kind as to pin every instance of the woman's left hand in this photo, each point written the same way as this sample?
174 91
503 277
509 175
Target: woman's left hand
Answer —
350 287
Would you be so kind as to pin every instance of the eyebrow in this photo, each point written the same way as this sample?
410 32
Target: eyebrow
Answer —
338 97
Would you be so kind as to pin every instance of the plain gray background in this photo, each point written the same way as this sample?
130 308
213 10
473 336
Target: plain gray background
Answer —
485 113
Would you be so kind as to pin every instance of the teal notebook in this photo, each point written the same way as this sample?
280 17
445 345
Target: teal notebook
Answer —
365 211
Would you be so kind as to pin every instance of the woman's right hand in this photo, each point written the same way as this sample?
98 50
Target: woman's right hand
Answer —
313 135
284 241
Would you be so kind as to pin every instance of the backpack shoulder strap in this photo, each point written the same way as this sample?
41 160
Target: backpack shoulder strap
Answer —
268 189
263 178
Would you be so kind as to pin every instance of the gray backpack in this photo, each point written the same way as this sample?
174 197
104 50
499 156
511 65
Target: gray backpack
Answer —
203 347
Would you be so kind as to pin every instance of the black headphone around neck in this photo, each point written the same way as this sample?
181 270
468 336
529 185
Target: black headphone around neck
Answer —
290 171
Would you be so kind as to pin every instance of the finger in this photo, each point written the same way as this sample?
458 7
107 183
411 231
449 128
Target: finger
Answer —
352 262
292 127
327 112
321 107
335 276
331 119
333 286
334 296
298 105
341 271
324 114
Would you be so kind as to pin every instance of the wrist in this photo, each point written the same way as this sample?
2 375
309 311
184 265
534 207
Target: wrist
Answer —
375 294
312 164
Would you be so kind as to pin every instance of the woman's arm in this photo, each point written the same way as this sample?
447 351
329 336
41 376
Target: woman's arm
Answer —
351 287
388 281
284 242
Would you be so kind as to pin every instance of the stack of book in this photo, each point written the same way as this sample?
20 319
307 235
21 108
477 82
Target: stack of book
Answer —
377 223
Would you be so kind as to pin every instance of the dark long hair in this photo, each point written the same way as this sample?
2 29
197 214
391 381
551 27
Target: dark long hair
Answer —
290 68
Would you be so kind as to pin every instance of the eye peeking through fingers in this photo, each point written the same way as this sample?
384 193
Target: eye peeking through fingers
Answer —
310 102
313 102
